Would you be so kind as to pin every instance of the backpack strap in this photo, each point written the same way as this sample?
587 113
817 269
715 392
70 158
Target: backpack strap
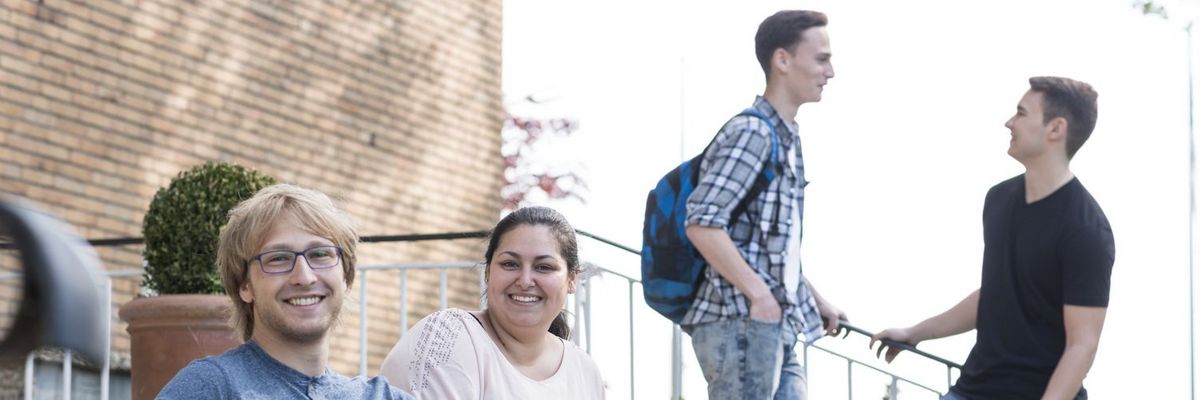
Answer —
770 165
767 174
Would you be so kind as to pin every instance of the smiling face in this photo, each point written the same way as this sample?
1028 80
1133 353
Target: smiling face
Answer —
1030 134
528 279
297 306
806 69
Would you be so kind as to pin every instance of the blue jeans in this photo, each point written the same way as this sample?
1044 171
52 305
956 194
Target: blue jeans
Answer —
748 359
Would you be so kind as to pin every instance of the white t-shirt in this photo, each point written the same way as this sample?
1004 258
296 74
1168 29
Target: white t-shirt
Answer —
448 355
791 263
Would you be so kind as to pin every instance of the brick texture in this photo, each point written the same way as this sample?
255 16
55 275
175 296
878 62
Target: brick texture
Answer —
392 107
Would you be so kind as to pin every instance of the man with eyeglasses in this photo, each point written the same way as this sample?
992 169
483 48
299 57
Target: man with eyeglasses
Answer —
286 258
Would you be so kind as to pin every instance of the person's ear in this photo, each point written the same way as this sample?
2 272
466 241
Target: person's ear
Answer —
572 281
780 59
246 293
1057 129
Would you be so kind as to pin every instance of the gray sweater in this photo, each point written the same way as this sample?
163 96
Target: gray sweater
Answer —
248 372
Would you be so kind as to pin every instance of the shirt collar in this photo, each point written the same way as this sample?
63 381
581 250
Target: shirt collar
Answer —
790 133
288 372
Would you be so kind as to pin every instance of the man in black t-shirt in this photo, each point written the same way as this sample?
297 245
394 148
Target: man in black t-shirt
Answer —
1047 260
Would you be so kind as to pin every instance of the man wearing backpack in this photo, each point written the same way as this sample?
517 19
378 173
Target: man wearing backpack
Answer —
753 302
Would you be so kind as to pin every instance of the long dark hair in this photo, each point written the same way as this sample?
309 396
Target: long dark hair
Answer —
567 246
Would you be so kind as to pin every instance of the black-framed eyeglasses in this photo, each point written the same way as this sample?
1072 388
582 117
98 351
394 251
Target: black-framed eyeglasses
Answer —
283 261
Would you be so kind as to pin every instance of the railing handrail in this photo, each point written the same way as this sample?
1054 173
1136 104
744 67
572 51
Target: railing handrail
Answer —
900 345
412 237
416 266
420 237
608 242
415 237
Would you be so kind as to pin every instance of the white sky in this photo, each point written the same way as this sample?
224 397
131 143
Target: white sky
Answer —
900 153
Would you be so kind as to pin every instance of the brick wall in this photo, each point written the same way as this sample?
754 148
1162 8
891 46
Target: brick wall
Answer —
391 107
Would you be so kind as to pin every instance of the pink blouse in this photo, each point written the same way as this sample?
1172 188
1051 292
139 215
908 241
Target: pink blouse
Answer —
448 355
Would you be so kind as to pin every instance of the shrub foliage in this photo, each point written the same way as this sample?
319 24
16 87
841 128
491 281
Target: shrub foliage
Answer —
184 221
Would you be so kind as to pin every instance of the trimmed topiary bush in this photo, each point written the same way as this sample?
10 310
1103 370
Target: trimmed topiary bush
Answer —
184 221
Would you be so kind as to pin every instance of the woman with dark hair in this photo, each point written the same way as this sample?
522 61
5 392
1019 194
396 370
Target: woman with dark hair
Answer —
517 347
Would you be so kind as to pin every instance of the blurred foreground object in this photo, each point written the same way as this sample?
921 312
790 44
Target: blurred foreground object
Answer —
61 305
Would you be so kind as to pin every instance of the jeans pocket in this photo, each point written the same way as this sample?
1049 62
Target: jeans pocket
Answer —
712 343
759 345
757 329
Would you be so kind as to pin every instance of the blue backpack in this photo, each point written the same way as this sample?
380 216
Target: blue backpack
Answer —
672 268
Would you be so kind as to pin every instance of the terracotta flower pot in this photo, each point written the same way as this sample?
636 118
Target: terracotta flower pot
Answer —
168 332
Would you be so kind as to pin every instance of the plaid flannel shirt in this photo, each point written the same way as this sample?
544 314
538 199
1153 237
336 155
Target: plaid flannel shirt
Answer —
761 233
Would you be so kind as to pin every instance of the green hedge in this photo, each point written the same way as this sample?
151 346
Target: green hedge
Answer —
184 221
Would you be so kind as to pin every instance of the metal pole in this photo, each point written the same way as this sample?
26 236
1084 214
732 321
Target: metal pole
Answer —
29 376
104 364
631 375
676 362
482 288
577 309
849 379
1191 215
68 359
587 305
805 363
631 363
442 288
403 301
682 109
948 382
362 325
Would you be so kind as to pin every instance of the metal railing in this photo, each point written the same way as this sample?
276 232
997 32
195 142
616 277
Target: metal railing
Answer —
580 302
950 365
68 357
677 340
582 307
851 362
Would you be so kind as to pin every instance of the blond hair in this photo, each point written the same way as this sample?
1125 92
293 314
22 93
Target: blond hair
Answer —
253 219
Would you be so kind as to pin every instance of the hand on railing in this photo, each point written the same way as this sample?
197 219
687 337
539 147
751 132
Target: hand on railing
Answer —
893 343
893 340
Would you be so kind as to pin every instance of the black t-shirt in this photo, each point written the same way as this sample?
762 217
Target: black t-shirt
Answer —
1036 258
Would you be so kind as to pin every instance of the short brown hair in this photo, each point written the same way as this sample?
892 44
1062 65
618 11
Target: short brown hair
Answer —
1071 100
253 219
783 30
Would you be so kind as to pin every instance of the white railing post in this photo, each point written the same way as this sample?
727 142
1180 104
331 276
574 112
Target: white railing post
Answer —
575 323
66 371
482 288
631 363
805 362
849 379
403 301
104 364
676 362
362 324
442 288
29 376
587 306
